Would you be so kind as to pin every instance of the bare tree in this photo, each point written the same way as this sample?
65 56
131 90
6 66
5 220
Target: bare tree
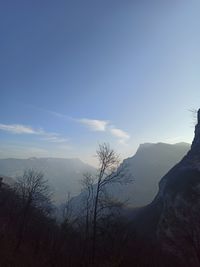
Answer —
87 183
34 192
86 213
69 217
109 172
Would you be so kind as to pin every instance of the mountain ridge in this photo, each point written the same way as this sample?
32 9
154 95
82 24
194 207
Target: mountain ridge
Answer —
63 174
145 167
172 218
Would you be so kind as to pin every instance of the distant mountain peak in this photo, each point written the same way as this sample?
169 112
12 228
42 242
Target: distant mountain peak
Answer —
149 145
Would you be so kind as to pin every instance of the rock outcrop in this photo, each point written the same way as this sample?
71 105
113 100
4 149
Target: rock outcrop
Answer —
177 207
171 221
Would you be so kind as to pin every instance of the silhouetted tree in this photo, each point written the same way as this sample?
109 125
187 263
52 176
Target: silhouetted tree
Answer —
88 198
109 172
34 192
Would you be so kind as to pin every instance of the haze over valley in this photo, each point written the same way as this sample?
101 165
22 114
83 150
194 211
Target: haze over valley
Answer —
99 133
150 162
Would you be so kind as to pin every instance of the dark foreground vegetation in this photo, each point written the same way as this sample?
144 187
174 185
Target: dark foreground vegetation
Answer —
29 236
102 232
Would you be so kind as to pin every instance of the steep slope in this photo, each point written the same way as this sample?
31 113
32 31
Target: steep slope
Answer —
63 174
173 217
150 162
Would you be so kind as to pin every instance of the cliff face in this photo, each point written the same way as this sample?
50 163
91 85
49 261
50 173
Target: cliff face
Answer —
178 207
146 167
195 149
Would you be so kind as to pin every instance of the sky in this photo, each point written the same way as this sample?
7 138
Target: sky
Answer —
76 73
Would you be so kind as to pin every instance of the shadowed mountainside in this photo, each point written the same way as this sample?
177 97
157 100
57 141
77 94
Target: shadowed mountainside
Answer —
173 217
150 162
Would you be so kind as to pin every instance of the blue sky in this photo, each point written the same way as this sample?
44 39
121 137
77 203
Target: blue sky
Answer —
77 73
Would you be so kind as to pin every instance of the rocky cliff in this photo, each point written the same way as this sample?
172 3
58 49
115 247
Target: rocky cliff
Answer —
174 215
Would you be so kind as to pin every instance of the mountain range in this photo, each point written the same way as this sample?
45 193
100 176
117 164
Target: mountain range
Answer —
63 175
150 162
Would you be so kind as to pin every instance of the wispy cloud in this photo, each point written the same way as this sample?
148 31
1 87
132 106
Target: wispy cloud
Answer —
106 126
19 129
23 129
51 112
95 125
55 138
122 135
59 115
